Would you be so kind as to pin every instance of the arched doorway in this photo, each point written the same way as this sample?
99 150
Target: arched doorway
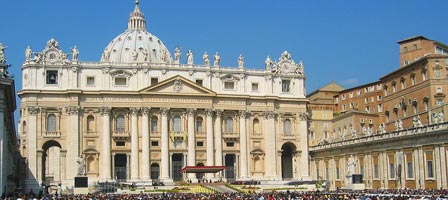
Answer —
51 162
155 171
288 150
200 176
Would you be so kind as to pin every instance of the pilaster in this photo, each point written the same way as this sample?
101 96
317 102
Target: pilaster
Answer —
145 144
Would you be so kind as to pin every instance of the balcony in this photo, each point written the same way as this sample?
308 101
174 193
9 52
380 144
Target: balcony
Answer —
120 134
52 134
230 136
178 135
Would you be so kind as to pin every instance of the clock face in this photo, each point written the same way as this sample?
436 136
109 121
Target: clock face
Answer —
286 67
52 56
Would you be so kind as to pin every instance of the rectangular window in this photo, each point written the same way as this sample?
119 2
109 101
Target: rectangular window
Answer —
325 116
52 77
439 102
199 82
439 89
405 49
325 125
379 98
254 87
366 100
155 143
286 85
376 173
120 144
430 169
229 85
391 170
230 144
200 143
90 81
415 46
343 97
120 81
410 170
154 81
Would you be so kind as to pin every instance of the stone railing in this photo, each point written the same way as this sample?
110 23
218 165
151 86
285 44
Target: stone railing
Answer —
230 135
380 137
52 134
120 134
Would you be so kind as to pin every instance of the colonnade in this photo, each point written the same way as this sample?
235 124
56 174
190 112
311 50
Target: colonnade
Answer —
214 143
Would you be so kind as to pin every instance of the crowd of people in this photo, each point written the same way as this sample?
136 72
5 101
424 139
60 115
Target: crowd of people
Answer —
401 194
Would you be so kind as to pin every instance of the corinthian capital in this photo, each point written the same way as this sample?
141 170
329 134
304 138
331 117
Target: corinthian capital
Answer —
105 110
145 110
191 112
134 111
243 113
72 110
209 112
165 111
33 110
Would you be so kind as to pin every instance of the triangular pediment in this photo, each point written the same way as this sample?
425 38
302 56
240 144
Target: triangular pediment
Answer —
178 85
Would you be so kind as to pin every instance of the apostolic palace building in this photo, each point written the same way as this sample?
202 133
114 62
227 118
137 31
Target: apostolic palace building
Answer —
143 113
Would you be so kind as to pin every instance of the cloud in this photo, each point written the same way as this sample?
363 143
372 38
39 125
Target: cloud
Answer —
351 82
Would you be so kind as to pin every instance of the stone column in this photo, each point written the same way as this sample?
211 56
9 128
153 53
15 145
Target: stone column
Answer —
31 144
73 152
41 168
113 165
303 134
421 164
164 175
270 145
145 144
416 167
105 172
243 145
218 139
63 165
134 144
442 165
191 144
210 146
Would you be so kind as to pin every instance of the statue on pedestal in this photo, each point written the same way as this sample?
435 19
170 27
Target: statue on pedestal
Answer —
217 60
351 165
241 61
206 59
177 55
2 54
268 62
189 57
28 53
75 53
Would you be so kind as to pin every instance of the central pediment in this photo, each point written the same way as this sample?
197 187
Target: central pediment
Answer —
178 85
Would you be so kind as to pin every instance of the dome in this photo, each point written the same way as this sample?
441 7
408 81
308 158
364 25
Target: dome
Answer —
136 44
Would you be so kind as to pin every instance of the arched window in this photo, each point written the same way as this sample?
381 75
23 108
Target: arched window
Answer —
155 171
256 126
229 125
154 121
51 123
90 123
176 124
120 126
199 121
287 127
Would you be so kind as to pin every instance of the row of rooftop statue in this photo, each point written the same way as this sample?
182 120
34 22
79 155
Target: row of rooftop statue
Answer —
436 119
284 64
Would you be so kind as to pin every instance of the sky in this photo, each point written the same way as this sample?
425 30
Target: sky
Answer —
351 42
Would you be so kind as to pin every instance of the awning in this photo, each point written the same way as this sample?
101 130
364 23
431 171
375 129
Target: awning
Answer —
202 169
